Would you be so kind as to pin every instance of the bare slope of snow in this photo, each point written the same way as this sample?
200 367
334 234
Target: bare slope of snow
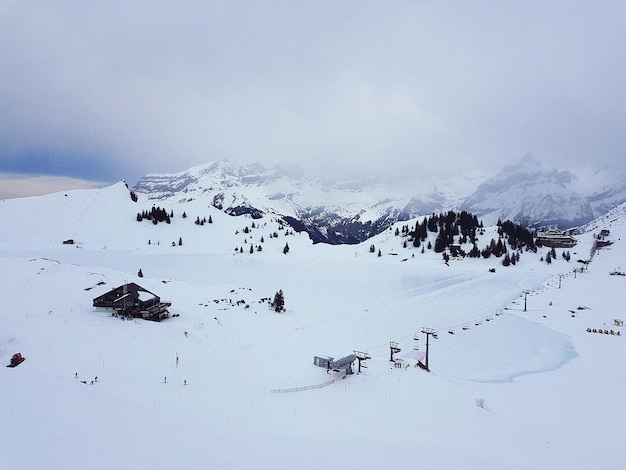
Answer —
508 387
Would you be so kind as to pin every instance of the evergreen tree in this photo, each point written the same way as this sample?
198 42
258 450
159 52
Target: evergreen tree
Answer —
180 241
278 304
499 249
286 248
440 241
474 252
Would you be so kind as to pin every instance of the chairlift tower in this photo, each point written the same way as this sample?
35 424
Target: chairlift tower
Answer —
526 292
362 357
393 346
428 332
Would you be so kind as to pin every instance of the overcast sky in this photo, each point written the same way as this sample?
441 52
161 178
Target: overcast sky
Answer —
115 90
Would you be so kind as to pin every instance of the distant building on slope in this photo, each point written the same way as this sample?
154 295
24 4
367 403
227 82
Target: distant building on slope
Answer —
555 238
132 300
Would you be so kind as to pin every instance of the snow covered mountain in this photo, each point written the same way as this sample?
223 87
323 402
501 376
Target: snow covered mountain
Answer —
534 195
335 212
348 212
531 195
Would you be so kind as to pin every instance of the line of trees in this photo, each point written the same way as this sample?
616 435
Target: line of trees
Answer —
156 215
453 229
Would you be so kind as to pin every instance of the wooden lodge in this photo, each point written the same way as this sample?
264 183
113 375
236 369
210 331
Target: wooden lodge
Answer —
132 300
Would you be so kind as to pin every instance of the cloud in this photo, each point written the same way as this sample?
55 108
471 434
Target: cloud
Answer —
17 185
119 90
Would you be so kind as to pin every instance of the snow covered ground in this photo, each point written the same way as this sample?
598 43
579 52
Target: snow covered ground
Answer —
508 388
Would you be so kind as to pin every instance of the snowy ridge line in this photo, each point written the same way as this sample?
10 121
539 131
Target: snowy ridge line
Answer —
300 389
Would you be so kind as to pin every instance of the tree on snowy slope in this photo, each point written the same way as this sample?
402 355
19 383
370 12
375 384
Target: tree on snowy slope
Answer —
278 304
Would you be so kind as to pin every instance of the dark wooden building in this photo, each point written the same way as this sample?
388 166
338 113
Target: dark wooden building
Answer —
132 300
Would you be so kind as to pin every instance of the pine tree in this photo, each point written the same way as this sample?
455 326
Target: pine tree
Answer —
286 248
440 241
278 304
